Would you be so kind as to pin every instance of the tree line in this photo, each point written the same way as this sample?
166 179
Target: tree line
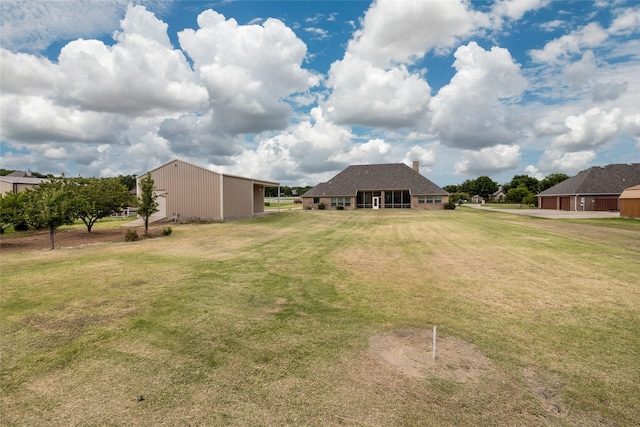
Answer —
62 201
521 189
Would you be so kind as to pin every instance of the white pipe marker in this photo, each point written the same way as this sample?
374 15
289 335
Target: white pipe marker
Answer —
434 342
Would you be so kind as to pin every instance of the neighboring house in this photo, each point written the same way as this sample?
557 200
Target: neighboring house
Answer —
498 196
19 181
595 189
191 192
630 202
386 186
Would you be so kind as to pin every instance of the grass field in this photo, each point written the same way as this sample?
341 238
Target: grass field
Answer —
325 318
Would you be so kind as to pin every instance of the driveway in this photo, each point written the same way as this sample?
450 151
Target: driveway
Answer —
549 213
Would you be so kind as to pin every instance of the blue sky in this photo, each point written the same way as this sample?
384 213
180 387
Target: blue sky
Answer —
294 91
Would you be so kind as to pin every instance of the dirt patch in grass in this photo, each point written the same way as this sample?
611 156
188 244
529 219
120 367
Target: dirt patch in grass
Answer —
410 351
547 388
39 240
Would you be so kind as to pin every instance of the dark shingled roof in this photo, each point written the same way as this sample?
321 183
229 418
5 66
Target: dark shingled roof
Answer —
392 176
610 179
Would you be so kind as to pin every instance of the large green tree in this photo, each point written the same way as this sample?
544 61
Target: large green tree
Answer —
128 181
50 205
147 203
98 198
485 186
551 180
11 210
530 182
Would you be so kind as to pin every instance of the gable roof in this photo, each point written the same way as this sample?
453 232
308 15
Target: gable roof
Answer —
610 179
631 193
262 182
391 176
22 178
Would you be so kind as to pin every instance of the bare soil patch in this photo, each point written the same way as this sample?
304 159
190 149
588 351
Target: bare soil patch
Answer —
39 240
410 352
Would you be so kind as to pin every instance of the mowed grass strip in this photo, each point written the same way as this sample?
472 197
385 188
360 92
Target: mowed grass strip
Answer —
268 322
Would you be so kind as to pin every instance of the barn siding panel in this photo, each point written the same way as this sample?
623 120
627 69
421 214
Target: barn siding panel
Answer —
192 192
237 197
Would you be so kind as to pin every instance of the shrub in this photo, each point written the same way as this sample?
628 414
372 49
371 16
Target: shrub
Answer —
131 235
167 231
530 200
267 203
450 205
321 206
21 226
340 207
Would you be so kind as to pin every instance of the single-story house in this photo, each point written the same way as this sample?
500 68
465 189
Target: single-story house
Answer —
384 186
595 189
19 181
188 191
630 202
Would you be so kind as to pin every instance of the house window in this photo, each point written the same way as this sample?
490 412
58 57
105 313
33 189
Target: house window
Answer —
420 199
316 200
438 199
429 199
344 201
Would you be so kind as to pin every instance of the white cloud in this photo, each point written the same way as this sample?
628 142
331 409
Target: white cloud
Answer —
140 73
399 31
25 74
247 77
426 156
580 72
55 153
553 25
554 161
626 22
589 36
372 151
590 129
36 119
515 9
303 150
34 25
488 160
471 111
364 94
608 91
533 171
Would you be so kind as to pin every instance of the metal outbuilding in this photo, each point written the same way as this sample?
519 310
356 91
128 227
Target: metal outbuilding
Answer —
630 202
189 192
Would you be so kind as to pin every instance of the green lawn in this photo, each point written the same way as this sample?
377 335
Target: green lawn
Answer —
279 320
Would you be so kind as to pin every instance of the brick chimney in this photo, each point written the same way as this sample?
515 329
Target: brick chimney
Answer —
416 166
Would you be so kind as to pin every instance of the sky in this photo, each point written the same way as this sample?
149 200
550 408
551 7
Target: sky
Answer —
295 91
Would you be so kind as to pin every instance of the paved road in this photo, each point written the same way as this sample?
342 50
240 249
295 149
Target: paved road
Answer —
548 213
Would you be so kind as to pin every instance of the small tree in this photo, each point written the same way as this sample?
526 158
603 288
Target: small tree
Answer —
458 197
147 204
518 194
11 210
98 198
50 205
530 200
